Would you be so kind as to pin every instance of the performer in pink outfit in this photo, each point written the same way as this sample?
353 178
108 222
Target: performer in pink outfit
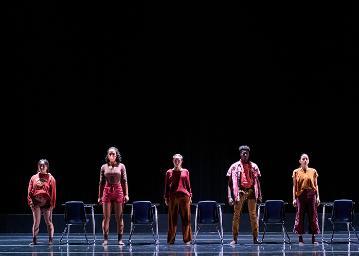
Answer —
41 198
113 192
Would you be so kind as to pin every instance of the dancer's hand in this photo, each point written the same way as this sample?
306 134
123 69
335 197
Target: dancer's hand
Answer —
230 201
294 203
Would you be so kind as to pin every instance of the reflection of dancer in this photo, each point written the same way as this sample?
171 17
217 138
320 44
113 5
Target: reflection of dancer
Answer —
305 198
113 192
178 196
41 198
37 251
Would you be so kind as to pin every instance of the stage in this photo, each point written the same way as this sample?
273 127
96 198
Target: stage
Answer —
207 243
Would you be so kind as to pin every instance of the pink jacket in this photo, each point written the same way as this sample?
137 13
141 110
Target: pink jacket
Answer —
234 173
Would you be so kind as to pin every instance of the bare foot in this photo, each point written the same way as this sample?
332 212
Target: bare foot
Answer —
233 242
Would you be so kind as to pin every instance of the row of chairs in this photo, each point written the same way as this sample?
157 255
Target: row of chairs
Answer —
209 213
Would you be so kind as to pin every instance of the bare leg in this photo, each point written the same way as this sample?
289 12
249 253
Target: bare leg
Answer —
36 215
119 220
106 221
49 224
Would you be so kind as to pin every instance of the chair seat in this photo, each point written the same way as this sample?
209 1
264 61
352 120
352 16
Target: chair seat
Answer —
78 222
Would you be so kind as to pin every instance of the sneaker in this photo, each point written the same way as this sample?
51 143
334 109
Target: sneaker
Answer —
188 243
105 242
313 241
120 242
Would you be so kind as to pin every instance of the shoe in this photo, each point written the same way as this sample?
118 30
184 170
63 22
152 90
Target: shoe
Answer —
34 241
51 240
120 242
255 241
105 242
188 243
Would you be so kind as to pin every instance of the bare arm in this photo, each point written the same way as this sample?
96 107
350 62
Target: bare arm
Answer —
101 185
229 191
317 188
294 188
125 183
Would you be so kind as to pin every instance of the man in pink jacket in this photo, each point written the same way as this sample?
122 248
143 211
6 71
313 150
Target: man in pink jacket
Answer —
243 185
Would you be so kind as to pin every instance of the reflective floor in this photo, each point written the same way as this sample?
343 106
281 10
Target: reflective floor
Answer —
206 244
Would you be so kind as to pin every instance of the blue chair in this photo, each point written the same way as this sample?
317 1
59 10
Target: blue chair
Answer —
343 213
208 213
75 214
144 213
274 214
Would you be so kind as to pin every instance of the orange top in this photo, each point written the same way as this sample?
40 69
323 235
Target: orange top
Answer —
304 180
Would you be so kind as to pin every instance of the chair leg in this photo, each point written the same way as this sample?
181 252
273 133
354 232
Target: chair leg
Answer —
68 232
264 231
356 234
156 222
348 229
331 240
131 232
84 227
285 231
195 235
221 223
219 233
63 233
153 234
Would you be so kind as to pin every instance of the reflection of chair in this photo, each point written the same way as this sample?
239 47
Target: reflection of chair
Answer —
75 214
208 213
274 214
343 213
144 213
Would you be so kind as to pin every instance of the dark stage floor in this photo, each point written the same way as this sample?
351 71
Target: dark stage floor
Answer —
206 244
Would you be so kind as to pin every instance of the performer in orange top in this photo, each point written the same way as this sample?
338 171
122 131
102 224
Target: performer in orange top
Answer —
305 198
41 198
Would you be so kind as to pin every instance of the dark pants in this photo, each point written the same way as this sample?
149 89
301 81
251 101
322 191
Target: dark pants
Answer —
306 204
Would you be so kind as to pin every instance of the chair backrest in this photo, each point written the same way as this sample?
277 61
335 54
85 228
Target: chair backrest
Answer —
75 212
207 212
273 211
342 210
142 212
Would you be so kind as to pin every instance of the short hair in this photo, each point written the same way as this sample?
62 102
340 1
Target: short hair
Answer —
244 147
177 156
45 162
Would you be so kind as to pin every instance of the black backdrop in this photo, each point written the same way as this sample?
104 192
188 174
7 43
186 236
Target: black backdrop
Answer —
196 79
